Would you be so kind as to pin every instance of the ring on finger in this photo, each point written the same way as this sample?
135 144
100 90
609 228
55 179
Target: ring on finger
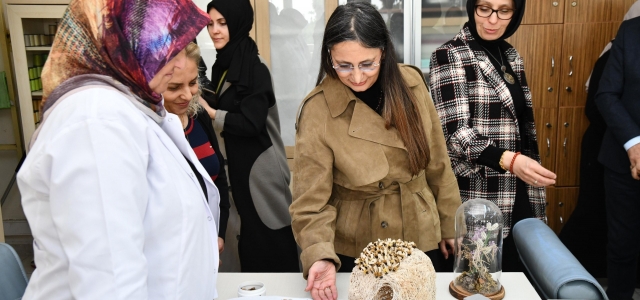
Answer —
535 182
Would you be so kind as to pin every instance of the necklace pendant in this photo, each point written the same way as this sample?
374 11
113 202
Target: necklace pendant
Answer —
503 69
509 78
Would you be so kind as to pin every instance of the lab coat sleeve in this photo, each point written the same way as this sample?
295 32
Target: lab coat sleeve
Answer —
98 198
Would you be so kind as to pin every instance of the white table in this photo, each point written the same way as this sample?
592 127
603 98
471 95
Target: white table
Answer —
516 285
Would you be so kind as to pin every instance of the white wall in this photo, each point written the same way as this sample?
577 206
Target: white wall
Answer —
205 42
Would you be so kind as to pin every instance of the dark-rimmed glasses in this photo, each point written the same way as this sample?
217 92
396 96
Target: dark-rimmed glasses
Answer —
484 11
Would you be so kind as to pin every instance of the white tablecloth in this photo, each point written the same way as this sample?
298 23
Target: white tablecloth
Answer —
516 285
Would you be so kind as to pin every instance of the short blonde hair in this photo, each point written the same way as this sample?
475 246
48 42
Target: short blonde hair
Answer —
193 54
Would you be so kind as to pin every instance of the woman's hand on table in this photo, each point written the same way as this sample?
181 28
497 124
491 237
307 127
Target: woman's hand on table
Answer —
529 170
205 105
321 281
446 246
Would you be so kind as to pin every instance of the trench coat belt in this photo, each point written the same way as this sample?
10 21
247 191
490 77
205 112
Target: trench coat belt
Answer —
408 202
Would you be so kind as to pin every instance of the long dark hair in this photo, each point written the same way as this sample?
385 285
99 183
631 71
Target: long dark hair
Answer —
361 22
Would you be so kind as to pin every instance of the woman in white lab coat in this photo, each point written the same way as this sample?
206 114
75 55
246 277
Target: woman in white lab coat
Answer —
118 204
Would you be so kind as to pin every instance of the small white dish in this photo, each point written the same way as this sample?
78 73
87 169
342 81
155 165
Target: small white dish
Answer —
252 289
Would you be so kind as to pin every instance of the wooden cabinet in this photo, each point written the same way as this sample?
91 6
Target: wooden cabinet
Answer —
572 124
560 204
26 21
544 12
581 47
546 124
619 8
559 54
544 60
588 11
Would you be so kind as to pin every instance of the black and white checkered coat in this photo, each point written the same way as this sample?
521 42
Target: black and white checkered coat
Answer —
476 110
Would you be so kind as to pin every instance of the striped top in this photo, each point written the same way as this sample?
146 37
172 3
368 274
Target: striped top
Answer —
199 141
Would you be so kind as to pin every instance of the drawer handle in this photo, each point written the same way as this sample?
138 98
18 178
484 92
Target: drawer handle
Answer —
553 66
564 145
571 65
548 147
561 220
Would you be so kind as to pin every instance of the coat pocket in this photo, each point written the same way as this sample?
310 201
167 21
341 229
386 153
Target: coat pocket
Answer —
348 219
429 218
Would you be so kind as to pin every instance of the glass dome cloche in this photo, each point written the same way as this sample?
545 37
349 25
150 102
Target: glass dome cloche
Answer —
478 250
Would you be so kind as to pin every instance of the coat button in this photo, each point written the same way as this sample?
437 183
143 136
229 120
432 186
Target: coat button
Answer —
384 224
191 174
380 185
209 218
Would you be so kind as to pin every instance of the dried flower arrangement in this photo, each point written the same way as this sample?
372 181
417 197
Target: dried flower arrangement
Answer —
392 270
481 253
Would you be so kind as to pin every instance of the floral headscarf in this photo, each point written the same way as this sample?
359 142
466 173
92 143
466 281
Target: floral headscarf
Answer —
128 40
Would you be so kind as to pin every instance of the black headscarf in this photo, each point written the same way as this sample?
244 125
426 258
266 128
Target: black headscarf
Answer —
240 53
518 14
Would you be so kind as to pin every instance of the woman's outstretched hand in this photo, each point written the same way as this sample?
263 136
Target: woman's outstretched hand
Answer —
210 111
529 170
321 281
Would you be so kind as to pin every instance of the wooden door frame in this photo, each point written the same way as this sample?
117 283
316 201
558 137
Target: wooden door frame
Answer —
329 7
4 48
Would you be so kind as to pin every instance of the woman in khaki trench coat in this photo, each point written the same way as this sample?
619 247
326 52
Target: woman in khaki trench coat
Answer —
370 159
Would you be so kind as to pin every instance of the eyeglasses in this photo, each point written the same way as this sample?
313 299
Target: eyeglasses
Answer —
486 12
364 67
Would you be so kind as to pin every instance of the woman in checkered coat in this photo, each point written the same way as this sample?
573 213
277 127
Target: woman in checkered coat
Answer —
483 100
